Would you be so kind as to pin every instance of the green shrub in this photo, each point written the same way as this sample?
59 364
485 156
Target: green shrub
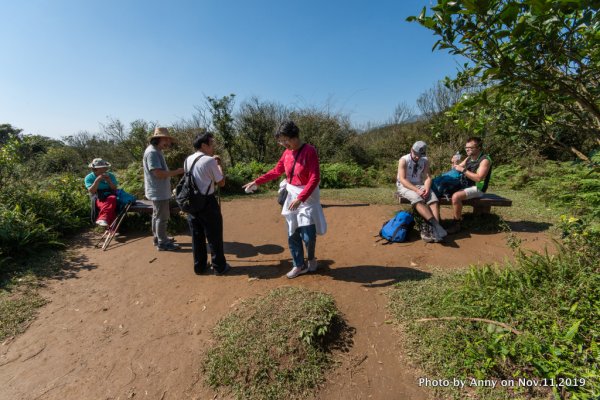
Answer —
22 232
276 346
570 186
60 202
243 173
131 179
552 301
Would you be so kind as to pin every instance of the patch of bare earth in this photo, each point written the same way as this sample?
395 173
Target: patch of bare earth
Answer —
135 323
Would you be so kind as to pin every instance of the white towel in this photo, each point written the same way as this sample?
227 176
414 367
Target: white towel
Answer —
309 212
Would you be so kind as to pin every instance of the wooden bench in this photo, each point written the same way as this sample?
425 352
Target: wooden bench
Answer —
145 207
481 205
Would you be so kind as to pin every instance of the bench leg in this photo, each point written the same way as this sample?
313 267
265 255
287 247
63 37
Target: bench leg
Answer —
478 210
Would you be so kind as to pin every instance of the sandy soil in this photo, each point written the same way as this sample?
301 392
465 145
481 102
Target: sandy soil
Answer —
133 322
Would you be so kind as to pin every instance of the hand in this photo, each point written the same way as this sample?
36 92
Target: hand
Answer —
459 168
294 204
425 193
218 158
249 184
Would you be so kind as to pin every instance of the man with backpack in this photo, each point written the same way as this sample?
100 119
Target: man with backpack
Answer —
475 172
206 224
414 184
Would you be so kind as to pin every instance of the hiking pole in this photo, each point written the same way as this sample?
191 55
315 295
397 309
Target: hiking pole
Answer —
114 227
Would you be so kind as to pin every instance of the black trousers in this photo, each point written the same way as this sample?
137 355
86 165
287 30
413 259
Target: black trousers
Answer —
207 225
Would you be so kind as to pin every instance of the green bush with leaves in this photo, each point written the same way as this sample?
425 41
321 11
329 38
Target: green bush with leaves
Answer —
567 185
21 232
275 346
538 317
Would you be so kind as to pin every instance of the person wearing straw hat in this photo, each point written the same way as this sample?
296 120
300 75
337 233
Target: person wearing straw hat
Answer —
157 186
103 184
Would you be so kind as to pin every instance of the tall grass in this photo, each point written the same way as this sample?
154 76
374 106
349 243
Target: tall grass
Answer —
543 312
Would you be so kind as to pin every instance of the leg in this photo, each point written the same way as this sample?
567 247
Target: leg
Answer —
435 209
296 249
198 244
457 199
160 219
212 221
107 209
424 210
309 237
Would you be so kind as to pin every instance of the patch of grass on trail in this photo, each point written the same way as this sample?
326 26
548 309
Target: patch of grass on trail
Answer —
543 315
276 346
19 284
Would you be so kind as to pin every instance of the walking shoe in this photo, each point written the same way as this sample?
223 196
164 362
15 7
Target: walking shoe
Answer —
312 265
102 222
168 247
225 271
297 271
426 233
438 230
170 239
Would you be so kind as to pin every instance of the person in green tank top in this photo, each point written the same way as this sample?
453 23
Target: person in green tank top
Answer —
475 173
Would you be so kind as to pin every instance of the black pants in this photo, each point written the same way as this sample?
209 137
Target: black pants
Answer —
207 225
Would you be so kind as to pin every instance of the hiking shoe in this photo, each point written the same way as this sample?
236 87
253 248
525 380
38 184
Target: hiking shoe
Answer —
426 233
170 239
455 228
102 222
168 247
312 265
297 271
438 230
225 270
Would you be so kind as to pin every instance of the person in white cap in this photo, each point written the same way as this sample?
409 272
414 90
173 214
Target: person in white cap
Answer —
157 187
414 184
103 184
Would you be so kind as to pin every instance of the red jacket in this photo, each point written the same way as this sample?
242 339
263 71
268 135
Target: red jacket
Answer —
306 171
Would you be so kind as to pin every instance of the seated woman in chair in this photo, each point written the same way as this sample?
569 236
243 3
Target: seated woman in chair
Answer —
103 185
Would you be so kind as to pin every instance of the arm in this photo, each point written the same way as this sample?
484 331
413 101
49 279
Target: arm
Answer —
221 182
108 178
272 174
427 182
162 174
477 176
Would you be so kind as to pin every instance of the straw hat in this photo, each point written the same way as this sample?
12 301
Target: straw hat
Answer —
99 163
161 132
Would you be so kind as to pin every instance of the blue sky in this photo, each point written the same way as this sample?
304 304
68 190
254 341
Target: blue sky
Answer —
68 65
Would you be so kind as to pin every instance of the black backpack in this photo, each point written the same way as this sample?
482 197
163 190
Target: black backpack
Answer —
188 195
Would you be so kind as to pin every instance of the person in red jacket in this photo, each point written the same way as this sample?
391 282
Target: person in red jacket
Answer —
302 207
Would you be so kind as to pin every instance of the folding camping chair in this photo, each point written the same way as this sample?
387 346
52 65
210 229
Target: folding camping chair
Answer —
112 230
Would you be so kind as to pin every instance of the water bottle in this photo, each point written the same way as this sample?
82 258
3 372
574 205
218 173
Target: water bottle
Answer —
456 158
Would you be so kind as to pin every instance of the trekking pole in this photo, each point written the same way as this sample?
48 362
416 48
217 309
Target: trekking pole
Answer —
114 227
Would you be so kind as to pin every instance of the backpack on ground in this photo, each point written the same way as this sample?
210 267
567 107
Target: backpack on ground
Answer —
396 230
188 195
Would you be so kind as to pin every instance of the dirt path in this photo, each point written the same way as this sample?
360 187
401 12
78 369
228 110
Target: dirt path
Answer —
135 323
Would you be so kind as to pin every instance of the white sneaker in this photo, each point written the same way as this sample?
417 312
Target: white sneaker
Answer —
102 222
312 265
296 271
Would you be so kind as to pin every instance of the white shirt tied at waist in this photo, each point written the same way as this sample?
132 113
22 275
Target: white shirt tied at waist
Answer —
309 212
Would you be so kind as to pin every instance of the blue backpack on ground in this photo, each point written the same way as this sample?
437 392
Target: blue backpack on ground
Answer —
396 230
